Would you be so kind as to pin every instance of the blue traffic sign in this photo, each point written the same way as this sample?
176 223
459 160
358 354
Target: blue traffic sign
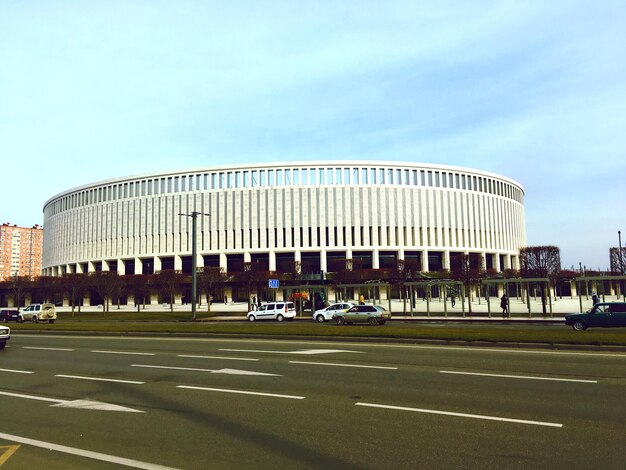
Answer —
274 283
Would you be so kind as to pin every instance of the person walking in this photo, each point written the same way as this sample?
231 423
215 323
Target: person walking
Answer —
504 305
595 298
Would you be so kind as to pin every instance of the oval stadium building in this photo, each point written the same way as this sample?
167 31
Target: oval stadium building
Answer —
317 214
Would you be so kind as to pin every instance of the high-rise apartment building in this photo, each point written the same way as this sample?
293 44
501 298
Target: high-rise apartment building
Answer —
20 251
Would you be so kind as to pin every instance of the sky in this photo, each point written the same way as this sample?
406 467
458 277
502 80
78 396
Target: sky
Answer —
532 90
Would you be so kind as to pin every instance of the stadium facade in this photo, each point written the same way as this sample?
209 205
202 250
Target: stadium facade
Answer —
316 214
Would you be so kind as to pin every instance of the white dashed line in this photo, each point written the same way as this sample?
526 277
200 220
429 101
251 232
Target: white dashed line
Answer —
124 352
242 392
47 349
17 371
219 357
528 377
461 415
342 365
99 379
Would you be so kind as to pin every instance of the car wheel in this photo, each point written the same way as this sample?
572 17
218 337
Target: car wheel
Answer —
251 318
373 321
579 325
35 319
3 344
279 317
340 321
20 320
51 321
320 318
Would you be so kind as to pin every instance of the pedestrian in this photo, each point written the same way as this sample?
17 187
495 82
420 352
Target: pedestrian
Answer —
504 305
254 300
452 299
594 298
225 300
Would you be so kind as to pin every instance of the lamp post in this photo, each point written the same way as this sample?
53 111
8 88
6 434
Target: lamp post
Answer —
194 275
620 256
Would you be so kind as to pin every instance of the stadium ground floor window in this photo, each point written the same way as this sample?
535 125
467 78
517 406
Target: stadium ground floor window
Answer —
260 261
147 266
414 258
310 263
187 267
285 262
362 260
167 263
212 261
435 260
129 266
335 261
387 259
234 263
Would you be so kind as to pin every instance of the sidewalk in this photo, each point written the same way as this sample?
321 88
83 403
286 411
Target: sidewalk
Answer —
434 310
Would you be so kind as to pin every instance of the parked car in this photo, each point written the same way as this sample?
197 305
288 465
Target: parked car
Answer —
327 313
273 311
5 335
373 314
603 314
8 315
39 312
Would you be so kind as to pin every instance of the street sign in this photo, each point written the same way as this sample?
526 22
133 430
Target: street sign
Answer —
274 283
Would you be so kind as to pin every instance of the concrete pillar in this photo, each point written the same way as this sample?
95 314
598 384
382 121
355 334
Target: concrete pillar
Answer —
425 267
138 266
158 265
323 261
178 263
121 267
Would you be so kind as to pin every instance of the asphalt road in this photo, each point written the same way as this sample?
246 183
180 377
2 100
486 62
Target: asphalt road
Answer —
209 403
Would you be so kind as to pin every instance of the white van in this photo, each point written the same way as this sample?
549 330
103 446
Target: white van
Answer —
273 311
38 312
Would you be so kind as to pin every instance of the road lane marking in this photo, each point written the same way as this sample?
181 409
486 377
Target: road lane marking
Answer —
519 377
6 454
212 371
342 365
99 379
242 392
84 453
461 415
47 349
125 352
301 351
83 404
17 371
218 357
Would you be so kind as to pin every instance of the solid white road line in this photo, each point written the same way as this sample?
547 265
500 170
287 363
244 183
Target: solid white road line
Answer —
461 415
47 349
212 371
99 379
242 392
342 365
218 357
17 371
519 377
84 453
125 352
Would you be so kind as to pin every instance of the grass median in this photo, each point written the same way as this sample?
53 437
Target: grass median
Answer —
159 323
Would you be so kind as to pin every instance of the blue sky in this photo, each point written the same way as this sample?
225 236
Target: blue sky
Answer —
535 91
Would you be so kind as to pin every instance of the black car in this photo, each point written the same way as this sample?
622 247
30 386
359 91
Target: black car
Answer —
603 314
7 315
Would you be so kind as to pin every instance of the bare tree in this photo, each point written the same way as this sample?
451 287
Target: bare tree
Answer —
138 285
403 272
251 277
211 279
75 285
541 262
18 286
170 283
468 271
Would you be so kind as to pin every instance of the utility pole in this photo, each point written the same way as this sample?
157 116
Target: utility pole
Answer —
194 274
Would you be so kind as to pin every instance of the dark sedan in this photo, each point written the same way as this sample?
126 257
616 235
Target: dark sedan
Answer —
603 314
7 315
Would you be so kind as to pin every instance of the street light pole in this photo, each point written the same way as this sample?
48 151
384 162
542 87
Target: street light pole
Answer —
194 274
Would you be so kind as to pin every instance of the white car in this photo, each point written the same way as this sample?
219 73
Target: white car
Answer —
273 311
327 313
38 312
5 334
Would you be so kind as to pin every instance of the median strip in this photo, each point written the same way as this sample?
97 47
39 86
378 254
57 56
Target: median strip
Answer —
528 377
461 415
242 392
